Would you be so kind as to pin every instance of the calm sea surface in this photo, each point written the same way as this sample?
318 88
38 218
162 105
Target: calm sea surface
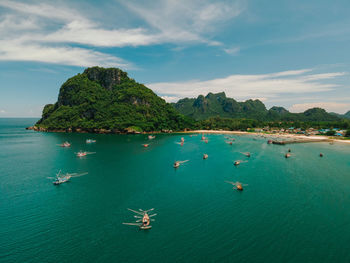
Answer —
292 210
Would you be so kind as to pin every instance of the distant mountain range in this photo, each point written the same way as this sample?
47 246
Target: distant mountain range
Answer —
218 104
344 116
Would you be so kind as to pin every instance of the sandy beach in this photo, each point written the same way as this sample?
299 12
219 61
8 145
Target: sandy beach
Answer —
277 136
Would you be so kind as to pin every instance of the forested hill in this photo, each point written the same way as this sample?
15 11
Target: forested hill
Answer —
345 116
106 98
213 105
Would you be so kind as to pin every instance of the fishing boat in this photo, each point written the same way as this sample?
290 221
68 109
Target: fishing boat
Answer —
150 137
269 142
229 142
321 154
63 178
81 154
145 145
143 219
176 164
205 156
247 154
237 163
90 141
182 139
65 144
237 185
287 155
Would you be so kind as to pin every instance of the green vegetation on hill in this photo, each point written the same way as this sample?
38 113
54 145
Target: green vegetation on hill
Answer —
345 116
102 98
218 105
218 123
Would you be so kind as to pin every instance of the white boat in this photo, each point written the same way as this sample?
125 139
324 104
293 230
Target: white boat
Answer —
65 144
83 154
63 178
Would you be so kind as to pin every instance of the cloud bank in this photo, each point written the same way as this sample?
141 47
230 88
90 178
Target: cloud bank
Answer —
241 87
44 32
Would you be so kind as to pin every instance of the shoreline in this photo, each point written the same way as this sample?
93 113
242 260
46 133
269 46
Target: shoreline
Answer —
317 138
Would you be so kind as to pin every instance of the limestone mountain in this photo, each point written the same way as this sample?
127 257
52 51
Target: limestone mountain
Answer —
106 98
345 116
218 105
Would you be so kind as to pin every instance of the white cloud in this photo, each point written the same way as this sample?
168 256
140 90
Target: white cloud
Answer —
16 50
25 30
2 111
266 86
328 106
170 98
232 50
185 20
46 30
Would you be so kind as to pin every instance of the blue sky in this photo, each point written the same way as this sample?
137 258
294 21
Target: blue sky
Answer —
294 54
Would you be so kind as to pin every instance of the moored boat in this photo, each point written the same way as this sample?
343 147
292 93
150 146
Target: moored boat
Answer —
65 144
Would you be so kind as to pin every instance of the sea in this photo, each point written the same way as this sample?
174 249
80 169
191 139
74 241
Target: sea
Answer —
293 209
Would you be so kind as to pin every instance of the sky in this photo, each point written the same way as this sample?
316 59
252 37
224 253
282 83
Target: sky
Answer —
294 54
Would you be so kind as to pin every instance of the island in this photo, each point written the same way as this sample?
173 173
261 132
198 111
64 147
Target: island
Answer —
107 100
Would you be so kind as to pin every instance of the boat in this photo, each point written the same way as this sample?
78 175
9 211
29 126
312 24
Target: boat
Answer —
81 154
60 179
205 156
229 142
237 185
90 141
145 145
269 142
247 154
150 137
65 144
63 178
182 139
287 155
289 150
176 164
143 219
321 154
237 163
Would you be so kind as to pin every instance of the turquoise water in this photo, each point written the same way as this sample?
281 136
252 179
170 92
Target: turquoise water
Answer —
292 210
